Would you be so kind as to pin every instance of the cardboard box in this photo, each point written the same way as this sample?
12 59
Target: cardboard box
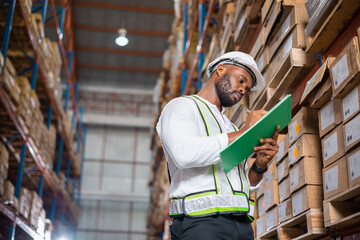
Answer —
333 146
303 122
293 22
283 169
9 190
271 195
261 206
323 94
350 104
320 76
335 178
283 148
307 145
307 197
265 9
345 68
329 116
306 171
261 189
353 165
285 210
271 173
271 218
24 202
284 189
260 226
352 132
259 43
262 61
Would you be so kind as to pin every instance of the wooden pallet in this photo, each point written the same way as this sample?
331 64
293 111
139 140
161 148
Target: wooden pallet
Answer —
308 225
269 234
343 209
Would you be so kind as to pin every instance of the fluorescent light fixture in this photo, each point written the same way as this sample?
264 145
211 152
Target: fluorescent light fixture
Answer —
122 40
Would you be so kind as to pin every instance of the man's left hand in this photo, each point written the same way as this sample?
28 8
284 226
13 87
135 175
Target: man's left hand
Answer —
267 151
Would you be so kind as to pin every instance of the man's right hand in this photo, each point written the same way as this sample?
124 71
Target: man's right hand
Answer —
253 117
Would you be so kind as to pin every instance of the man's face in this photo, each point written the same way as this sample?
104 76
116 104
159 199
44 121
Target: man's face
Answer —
231 86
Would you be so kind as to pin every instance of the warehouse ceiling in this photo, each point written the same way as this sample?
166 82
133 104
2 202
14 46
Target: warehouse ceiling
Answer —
100 62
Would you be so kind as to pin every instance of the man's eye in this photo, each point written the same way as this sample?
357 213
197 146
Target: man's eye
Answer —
241 81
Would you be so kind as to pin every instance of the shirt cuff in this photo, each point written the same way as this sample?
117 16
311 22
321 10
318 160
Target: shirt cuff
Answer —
252 188
223 140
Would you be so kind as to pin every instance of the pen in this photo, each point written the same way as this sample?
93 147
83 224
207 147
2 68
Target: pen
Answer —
246 109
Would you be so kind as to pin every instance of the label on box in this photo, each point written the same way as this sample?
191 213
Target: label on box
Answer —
331 179
259 226
281 150
354 162
269 220
350 103
282 190
287 46
330 146
293 152
327 115
297 203
352 131
267 196
285 27
340 71
281 170
294 178
282 211
260 62
311 82
293 131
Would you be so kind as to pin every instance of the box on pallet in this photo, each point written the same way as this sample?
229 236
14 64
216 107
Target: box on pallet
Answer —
302 122
307 145
24 202
271 218
265 9
335 178
261 206
329 116
310 196
284 189
323 94
295 23
306 171
283 143
271 174
261 189
285 210
260 226
350 104
271 195
283 169
333 146
352 133
262 61
353 164
344 71
35 209
4 161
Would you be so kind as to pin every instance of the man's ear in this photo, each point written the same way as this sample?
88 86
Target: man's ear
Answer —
220 70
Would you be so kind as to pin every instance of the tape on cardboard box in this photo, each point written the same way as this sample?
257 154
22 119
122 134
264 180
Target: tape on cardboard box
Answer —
335 178
350 104
353 164
329 116
352 132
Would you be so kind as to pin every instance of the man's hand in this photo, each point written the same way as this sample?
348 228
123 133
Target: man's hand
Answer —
267 151
253 117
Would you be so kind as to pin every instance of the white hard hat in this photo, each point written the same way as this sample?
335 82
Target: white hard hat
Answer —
242 60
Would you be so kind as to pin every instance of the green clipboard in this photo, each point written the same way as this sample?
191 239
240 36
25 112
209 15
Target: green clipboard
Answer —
243 146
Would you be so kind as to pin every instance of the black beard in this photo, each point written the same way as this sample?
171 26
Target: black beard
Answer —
223 90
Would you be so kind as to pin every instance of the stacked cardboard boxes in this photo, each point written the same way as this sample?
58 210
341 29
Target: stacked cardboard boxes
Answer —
48 145
9 197
24 202
24 106
35 209
4 166
10 84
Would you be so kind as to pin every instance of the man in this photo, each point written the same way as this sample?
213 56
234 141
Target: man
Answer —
206 203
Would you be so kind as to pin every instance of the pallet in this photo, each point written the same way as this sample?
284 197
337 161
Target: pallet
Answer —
334 24
343 209
269 234
308 225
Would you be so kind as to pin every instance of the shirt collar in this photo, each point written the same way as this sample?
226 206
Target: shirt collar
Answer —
212 105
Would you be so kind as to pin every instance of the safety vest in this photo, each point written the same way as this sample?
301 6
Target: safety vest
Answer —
222 199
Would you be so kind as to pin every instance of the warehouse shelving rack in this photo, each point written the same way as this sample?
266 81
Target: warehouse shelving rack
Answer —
26 142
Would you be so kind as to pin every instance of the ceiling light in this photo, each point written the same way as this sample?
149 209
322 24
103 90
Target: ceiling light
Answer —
122 40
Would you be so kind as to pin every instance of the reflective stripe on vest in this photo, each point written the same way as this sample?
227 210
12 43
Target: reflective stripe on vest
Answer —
222 199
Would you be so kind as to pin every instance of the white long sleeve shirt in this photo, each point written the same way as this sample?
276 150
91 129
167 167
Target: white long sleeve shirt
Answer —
188 150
